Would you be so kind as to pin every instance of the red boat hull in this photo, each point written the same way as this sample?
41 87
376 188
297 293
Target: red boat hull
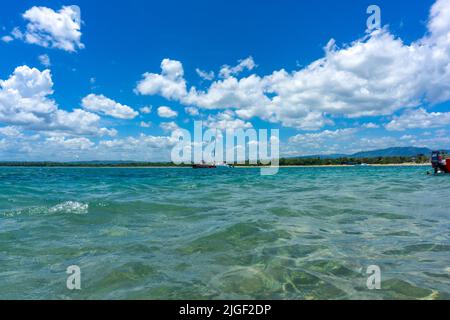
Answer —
203 166
440 162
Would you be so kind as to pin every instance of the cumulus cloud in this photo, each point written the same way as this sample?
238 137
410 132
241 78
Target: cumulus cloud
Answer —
344 141
169 126
373 76
17 34
79 143
370 125
170 83
54 29
7 38
143 147
51 29
167 112
25 102
420 118
146 109
44 59
324 142
226 120
245 64
143 141
192 111
352 140
205 75
317 138
53 146
103 105
407 137
10 131
145 124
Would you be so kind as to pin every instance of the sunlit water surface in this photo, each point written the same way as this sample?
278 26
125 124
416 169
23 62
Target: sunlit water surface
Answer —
306 233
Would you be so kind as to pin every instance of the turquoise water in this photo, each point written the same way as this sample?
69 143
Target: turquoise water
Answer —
306 233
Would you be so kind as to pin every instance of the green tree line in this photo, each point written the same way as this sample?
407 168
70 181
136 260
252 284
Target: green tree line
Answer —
317 161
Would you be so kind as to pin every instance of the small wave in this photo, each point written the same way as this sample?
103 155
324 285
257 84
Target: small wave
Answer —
72 207
68 207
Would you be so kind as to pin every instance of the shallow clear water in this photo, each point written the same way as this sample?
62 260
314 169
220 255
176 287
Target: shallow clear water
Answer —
306 233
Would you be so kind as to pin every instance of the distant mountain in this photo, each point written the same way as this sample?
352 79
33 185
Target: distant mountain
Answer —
389 152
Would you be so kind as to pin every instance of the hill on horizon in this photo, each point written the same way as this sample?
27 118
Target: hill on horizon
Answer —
388 152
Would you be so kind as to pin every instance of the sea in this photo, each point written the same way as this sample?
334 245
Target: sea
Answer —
179 233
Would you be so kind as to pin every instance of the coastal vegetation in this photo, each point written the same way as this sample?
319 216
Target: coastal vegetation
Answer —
353 161
302 161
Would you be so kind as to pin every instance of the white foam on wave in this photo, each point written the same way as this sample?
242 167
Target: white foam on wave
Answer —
72 207
68 207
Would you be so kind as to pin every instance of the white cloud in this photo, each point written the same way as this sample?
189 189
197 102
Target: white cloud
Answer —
17 34
7 38
191 111
324 142
439 22
144 144
25 102
145 124
169 126
340 141
407 137
80 143
78 122
245 64
376 75
146 110
170 83
59 146
205 75
419 118
226 120
167 112
44 59
370 125
229 93
339 134
104 105
48 28
10 131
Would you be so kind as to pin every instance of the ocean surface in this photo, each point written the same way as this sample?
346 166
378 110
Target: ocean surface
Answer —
306 233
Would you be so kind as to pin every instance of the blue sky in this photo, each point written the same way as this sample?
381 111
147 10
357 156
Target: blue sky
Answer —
367 90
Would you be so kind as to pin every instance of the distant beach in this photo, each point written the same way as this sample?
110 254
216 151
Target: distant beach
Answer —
347 165
408 164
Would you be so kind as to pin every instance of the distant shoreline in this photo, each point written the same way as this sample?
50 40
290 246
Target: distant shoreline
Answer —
235 167
345 165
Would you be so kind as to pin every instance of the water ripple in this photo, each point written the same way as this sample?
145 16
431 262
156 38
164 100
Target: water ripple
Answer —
306 233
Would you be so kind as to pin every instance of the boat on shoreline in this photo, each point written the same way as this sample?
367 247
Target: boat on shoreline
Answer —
440 162
204 166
